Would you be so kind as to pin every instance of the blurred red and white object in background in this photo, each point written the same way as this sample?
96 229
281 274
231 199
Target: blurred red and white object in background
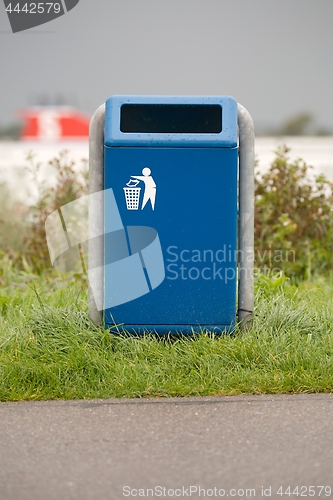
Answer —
54 123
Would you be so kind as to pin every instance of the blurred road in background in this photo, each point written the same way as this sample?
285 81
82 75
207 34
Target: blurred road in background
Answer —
245 446
316 151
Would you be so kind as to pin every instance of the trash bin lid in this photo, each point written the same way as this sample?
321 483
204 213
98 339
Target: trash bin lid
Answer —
171 121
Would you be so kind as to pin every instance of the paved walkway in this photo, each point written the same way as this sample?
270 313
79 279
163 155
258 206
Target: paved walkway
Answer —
240 447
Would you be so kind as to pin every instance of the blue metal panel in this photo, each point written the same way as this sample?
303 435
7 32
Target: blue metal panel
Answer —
193 207
226 138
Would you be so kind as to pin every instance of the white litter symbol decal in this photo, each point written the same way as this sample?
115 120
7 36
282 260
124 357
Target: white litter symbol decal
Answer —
132 192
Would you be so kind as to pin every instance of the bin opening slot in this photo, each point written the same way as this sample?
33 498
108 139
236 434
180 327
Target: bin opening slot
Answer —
171 118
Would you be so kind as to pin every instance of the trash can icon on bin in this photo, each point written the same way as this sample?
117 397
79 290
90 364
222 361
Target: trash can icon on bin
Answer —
132 195
182 166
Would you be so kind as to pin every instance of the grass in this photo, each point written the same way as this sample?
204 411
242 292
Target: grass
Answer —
49 349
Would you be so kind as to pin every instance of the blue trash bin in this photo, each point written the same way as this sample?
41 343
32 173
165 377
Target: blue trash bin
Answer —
171 164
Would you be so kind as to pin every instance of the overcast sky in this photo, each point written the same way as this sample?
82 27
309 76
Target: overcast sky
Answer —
274 56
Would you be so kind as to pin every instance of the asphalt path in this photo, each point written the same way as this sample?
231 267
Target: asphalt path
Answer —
210 447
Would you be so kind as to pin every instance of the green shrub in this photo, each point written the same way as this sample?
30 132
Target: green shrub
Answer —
293 219
71 183
13 226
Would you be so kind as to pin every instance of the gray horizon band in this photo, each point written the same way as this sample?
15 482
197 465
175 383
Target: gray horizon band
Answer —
245 223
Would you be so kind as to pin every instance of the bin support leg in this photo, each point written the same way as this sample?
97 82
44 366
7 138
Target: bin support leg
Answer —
246 218
96 212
